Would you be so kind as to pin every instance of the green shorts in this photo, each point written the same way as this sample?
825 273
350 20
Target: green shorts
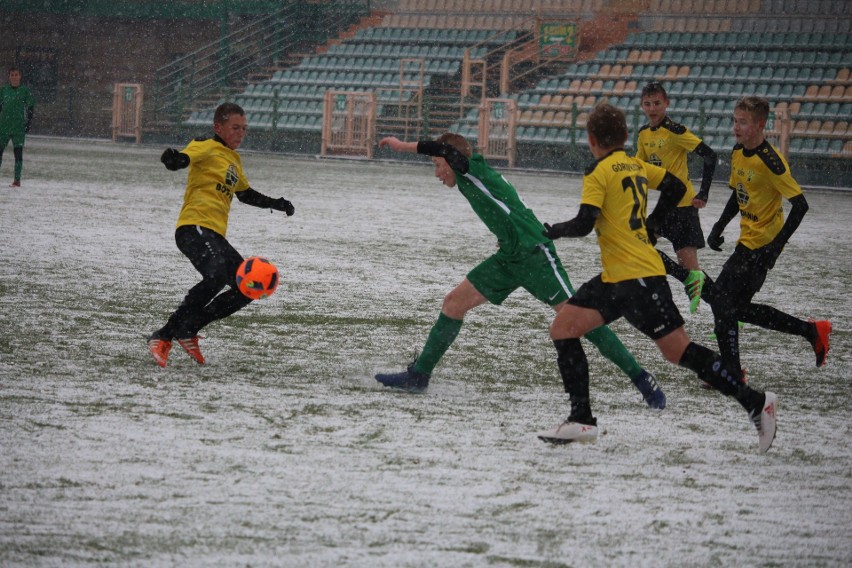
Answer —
16 136
540 273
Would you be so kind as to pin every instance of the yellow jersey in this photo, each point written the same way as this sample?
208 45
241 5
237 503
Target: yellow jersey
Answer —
618 185
215 174
668 146
761 177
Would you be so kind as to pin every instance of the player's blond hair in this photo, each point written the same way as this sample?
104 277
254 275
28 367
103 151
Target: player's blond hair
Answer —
458 142
757 107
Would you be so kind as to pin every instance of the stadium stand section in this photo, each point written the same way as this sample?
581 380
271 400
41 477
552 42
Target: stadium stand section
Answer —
707 53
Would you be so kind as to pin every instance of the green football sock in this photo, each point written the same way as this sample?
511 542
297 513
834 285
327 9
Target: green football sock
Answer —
613 349
443 333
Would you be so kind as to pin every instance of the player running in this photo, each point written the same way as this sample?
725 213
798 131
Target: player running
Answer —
525 259
633 282
760 177
215 176
665 143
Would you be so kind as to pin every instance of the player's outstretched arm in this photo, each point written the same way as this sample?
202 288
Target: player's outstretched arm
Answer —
257 199
715 238
398 145
579 226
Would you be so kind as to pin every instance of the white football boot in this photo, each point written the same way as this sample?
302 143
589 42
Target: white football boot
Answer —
765 422
568 432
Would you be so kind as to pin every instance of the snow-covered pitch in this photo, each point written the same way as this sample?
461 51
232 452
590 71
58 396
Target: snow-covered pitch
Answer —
283 450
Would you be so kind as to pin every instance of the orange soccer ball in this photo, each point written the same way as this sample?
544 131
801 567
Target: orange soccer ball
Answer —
257 278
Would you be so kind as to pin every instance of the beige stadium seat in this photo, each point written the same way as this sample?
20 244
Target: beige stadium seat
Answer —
811 92
842 75
794 108
605 70
813 127
837 92
841 128
545 100
827 128
824 92
800 126
634 55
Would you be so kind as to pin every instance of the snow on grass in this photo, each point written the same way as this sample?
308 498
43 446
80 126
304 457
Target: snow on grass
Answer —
283 450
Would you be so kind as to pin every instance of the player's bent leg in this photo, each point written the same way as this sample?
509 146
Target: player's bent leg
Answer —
581 425
761 407
611 347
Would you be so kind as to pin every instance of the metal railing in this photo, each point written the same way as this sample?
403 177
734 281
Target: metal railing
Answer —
220 67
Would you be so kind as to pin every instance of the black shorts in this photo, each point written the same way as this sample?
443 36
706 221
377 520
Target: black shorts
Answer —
210 253
683 228
645 302
741 278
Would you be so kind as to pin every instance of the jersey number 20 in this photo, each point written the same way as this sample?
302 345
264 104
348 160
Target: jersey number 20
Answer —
638 187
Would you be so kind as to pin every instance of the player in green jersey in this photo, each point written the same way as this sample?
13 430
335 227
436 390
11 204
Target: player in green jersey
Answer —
16 115
525 259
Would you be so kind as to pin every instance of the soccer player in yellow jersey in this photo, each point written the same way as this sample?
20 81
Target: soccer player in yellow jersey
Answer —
666 143
215 176
760 178
633 282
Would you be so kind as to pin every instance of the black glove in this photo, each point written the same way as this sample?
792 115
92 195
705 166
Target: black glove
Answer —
555 231
715 240
174 160
651 224
282 204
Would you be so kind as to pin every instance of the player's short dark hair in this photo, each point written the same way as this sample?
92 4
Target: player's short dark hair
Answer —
458 142
14 68
654 88
758 107
225 110
608 125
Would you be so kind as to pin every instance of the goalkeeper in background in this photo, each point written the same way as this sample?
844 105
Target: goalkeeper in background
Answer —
665 143
215 176
16 115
